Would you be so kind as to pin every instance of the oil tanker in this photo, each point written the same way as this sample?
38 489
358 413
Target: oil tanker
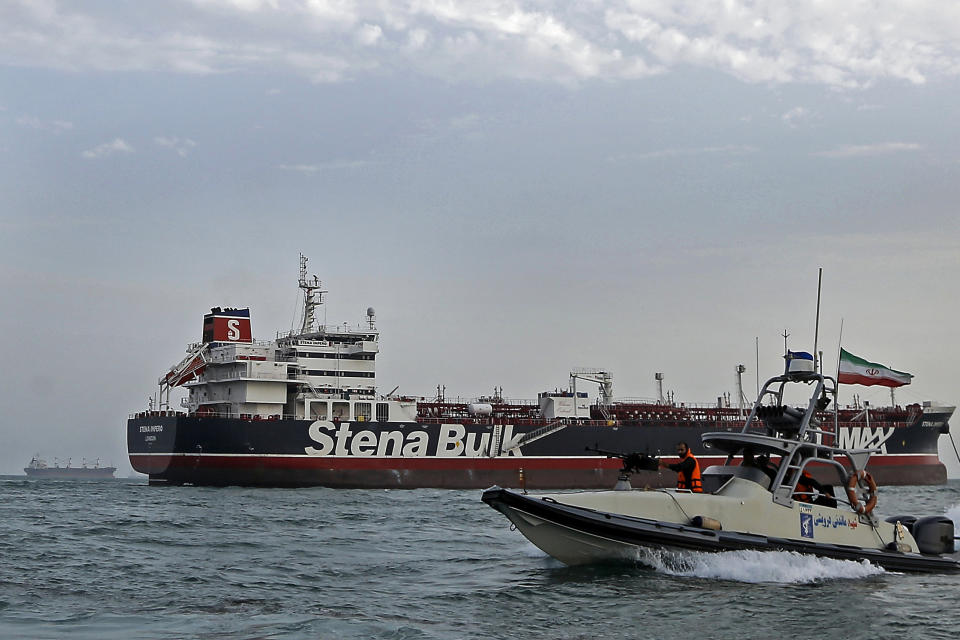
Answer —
303 410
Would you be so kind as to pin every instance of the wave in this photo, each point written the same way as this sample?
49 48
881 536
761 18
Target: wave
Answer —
780 567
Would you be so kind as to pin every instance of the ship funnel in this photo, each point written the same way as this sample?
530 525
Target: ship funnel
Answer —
227 325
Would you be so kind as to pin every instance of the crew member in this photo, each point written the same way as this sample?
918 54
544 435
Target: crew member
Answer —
688 469
806 486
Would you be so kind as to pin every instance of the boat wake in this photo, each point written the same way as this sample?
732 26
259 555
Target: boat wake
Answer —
781 567
954 514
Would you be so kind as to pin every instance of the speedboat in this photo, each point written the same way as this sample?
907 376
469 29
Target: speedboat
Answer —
745 504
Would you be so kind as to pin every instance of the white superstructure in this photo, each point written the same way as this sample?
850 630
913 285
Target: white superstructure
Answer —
316 373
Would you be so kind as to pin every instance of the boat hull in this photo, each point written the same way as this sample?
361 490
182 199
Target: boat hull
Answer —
54 473
179 449
578 535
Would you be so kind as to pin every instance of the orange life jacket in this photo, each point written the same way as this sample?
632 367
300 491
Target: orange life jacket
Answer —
695 484
804 490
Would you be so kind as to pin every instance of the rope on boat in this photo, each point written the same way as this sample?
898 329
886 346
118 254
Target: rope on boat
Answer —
672 497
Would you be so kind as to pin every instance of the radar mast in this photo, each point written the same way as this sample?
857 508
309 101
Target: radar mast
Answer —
312 296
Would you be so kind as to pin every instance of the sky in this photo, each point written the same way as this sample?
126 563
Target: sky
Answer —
517 188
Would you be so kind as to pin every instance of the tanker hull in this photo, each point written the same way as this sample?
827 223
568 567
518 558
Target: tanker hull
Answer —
177 449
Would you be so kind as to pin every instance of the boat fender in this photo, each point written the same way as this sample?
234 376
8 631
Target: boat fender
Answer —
871 495
899 547
705 522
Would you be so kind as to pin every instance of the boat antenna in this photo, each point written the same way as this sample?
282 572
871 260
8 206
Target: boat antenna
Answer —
756 340
816 330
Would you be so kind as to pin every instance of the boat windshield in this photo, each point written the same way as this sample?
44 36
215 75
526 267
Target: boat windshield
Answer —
714 477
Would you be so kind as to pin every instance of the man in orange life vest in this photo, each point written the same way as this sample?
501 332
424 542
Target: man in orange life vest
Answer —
805 491
688 469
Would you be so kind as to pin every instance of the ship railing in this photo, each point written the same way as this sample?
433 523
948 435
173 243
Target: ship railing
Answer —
876 424
193 346
222 414
157 414
637 400
211 414
343 329
517 422
247 375
514 402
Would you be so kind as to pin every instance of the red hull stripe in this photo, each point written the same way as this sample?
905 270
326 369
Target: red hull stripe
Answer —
452 463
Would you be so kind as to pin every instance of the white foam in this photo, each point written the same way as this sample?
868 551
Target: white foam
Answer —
954 514
784 567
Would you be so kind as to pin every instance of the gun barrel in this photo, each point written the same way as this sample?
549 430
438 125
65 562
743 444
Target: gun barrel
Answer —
604 452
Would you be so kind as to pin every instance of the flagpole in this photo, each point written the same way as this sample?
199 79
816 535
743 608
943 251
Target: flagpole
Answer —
836 385
839 349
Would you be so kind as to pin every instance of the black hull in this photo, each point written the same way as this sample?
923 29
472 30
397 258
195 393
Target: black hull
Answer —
194 450
641 532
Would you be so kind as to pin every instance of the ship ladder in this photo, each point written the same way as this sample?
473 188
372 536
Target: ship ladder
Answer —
496 440
788 475
790 478
542 432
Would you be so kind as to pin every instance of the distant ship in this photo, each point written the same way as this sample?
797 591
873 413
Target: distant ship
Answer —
303 410
38 468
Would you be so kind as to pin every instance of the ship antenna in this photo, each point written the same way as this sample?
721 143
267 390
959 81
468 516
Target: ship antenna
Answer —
312 296
756 341
816 330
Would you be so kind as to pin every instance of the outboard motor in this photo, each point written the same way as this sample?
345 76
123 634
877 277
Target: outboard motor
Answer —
934 534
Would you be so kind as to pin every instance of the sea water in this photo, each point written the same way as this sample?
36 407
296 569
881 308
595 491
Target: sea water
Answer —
120 559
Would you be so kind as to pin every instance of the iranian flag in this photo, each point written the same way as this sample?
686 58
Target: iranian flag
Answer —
854 370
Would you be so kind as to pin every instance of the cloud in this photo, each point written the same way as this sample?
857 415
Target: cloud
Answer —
884 148
758 41
335 165
114 147
681 152
369 35
55 126
182 146
795 115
